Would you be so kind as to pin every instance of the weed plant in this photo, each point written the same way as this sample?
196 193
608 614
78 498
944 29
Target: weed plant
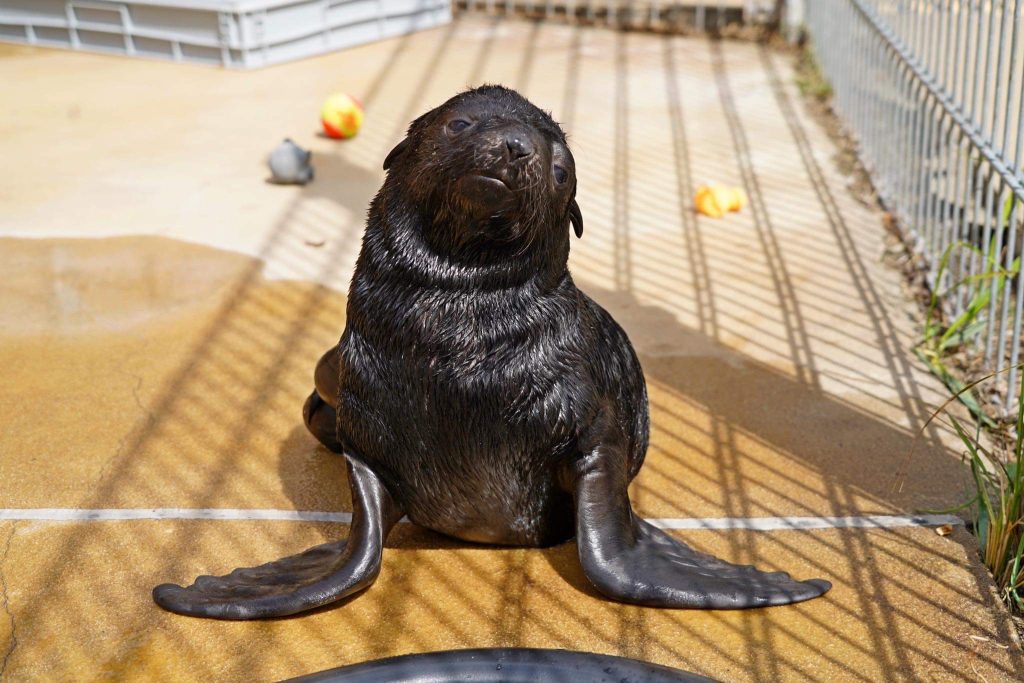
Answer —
997 476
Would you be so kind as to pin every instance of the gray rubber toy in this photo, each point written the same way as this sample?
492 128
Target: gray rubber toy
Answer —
290 164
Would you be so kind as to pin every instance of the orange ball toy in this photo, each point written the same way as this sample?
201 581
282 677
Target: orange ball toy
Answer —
717 200
341 116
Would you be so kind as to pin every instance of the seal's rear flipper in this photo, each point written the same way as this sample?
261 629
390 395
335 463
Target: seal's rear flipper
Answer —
316 577
631 560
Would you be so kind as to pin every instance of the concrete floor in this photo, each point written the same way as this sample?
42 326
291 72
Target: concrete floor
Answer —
153 283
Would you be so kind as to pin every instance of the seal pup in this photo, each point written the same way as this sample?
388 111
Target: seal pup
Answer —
476 390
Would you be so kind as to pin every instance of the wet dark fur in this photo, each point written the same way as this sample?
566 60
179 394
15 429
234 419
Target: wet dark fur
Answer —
470 360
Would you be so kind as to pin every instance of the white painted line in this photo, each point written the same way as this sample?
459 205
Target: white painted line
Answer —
228 514
775 523
119 514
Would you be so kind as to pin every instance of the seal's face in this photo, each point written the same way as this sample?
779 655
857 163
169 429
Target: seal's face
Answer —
488 167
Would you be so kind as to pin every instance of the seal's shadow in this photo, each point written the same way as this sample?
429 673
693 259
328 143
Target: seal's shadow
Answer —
313 478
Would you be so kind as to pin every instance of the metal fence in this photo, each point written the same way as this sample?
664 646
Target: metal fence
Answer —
933 91
656 15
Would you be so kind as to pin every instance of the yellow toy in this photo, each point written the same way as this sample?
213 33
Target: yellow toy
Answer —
717 200
341 116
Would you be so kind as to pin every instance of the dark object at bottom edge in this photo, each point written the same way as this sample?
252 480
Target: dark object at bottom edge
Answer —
494 665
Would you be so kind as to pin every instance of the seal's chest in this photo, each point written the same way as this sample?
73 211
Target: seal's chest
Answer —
493 353
477 376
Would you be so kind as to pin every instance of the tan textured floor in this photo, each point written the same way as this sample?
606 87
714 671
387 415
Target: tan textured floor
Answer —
774 345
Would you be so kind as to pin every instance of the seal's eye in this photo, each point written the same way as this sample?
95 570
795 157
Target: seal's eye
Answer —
561 175
458 125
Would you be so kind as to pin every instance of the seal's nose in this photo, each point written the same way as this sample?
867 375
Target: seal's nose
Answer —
518 146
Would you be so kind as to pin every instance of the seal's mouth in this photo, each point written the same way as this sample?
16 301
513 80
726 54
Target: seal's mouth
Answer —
487 195
492 188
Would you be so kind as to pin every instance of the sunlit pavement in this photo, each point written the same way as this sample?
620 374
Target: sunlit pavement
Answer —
161 309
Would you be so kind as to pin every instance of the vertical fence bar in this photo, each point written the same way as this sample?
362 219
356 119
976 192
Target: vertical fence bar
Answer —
1011 382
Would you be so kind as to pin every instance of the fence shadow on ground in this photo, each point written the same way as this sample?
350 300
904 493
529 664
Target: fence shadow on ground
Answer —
735 433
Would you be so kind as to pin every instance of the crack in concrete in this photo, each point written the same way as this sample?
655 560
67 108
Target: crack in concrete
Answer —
6 605
146 420
135 391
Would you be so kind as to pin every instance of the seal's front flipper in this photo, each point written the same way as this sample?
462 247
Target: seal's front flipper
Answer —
631 560
313 578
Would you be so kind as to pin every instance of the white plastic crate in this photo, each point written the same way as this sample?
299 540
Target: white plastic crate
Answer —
232 33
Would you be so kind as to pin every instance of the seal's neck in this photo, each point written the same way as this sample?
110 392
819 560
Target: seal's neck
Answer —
396 244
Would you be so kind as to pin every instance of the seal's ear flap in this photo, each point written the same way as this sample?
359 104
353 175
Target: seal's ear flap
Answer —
398 151
576 217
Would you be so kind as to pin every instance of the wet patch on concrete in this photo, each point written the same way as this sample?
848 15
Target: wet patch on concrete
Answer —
154 372
69 287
